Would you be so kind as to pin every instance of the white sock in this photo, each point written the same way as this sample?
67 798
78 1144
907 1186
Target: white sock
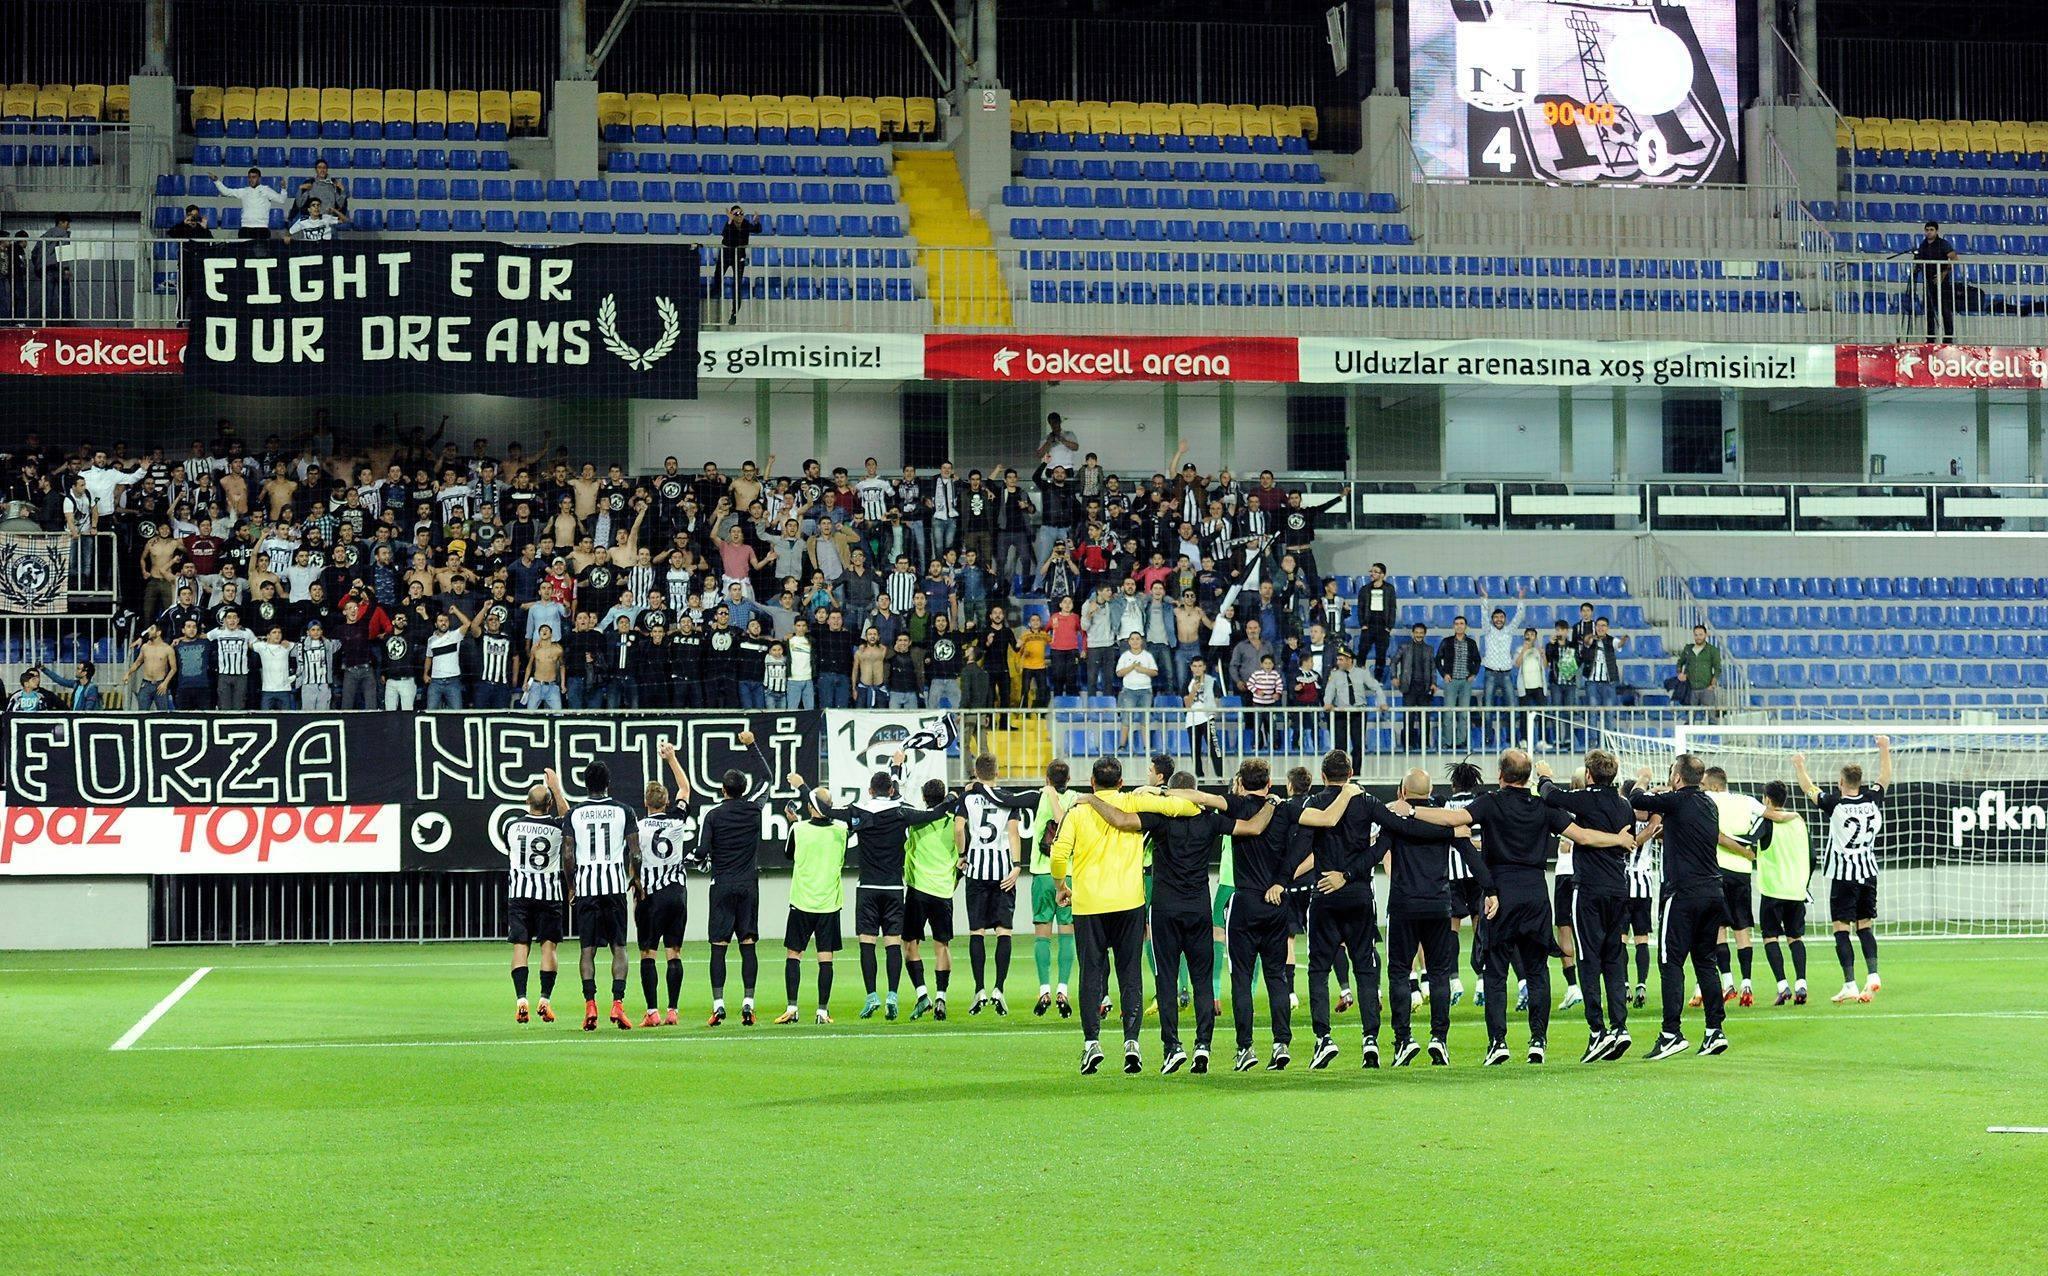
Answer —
1063 990
1046 988
792 1007
1802 985
718 1003
920 991
1457 985
747 1003
1091 1044
1347 992
1745 985
1784 987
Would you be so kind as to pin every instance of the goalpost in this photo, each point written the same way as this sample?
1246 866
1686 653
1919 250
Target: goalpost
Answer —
1964 848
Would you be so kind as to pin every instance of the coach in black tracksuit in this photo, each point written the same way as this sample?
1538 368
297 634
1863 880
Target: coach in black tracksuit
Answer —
1599 910
1258 912
1520 830
1422 895
1693 907
1182 921
1338 828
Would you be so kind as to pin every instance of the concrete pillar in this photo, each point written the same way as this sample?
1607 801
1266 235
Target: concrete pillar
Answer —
1983 471
985 48
1565 462
1767 51
1383 48
2033 436
156 37
1620 434
573 28
982 145
1384 160
963 70
1809 49
572 130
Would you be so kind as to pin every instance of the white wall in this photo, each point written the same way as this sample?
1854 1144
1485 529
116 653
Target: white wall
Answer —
1201 424
1918 434
1261 429
2008 437
1121 424
789 427
1645 434
1592 457
717 425
860 423
1500 435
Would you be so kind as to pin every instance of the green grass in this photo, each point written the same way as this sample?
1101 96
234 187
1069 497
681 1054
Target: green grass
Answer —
309 1110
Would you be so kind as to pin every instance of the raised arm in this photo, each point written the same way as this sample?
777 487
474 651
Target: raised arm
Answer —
675 771
554 783
1884 761
1806 784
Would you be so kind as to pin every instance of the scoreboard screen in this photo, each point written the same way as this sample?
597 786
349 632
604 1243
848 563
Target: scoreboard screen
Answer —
1611 92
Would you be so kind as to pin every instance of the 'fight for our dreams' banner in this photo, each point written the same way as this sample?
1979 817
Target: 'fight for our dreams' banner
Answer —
591 320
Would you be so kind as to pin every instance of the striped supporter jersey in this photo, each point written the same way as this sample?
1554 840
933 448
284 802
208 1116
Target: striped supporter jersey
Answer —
533 844
988 836
665 843
1853 826
600 827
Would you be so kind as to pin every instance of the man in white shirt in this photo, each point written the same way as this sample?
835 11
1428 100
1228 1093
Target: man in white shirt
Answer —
256 200
444 666
274 671
103 480
1497 665
316 227
1347 691
1135 670
1059 448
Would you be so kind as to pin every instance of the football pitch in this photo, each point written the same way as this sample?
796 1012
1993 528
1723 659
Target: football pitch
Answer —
375 1109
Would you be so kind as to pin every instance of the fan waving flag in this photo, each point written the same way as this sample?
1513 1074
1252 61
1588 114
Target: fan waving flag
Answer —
936 737
33 579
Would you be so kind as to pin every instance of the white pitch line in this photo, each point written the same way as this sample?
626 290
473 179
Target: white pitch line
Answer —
260 967
885 1035
2016 1129
158 1011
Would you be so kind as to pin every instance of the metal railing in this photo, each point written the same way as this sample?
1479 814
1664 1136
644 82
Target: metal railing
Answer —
327 908
1945 79
108 160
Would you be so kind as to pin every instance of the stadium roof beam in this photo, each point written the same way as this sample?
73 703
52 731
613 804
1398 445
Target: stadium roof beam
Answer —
938 71
579 60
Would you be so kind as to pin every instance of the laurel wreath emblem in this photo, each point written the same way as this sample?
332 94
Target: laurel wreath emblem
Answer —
638 360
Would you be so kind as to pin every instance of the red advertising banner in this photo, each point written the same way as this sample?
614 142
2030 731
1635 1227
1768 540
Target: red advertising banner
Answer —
90 352
1044 358
1942 367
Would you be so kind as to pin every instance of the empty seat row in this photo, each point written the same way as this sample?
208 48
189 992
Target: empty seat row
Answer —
1868 586
766 120
1915 212
1945 185
54 103
1214 172
1233 261
1062 116
48 155
708 163
366 114
1155 144
533 221
1360 296
237 158
1179 230
1922 617
1200 198
1887 674
1887 646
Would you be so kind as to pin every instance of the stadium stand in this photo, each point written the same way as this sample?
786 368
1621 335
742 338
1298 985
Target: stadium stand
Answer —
39 121
763 119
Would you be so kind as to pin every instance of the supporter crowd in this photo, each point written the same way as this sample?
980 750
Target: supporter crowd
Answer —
416 576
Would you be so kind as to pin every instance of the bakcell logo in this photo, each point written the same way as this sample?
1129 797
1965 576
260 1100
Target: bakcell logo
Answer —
87 352
1993 814
32 352
1002 359
151 352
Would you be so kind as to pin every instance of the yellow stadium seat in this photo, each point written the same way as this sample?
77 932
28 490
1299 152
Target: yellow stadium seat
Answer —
2010 139
1041 121
1896 137
1073 120
88 102
678 114
1198 124
865 117
303 103
1868 133
1163 122
834 117
891 111
730 100
921 115
741 115
709 114
206 102
526 109
493 106
368 106
1104 121
760 100
859 102
1246 108
1953 137
2037 139
117 102
773 116
430 106
611 109
1180 108
462 106
1092 105
1134 122
238 104
1213 109
400 106
1121 107
1983 137
824 100
701 100
1258 125
803 115
644 115
65 89
22 105
1844 139
30 89
634 101
1229 124
335 104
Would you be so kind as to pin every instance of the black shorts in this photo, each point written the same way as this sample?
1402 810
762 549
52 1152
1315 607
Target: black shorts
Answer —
601 921
1784 917
1297 912
1520 917
989 906
735 912
802 928
922 911
878 910
1561 899
1467 900
534 921
1735 888
1640 912
658 919
1853 901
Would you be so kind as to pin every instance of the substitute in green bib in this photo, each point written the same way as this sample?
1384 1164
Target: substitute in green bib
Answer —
1784 871
1048 915
931 872
817 893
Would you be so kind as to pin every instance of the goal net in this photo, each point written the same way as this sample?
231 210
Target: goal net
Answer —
1964 845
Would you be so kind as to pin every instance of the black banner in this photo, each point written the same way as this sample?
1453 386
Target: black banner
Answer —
323 792
459 317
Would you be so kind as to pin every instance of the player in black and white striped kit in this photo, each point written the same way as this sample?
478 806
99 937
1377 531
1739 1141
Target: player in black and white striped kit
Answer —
995 856
1643 871
667 844
1855 816
533 906
601 856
